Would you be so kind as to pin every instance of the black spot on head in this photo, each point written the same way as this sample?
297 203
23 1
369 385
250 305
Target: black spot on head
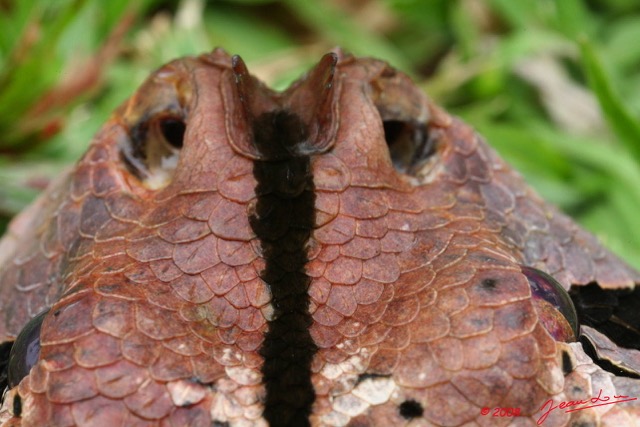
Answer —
489 284
17 406
567 364
410 409
220 424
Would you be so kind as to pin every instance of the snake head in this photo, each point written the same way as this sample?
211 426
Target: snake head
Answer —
344 252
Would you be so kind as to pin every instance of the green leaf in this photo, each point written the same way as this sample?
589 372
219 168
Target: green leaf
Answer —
340 29
19 182
573 19
623 124
520 14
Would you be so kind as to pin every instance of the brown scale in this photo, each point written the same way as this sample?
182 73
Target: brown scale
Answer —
420 310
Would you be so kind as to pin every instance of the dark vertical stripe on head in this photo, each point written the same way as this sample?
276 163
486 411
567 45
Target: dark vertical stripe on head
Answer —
283 221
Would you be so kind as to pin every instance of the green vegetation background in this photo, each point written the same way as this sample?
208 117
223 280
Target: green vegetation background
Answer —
553 85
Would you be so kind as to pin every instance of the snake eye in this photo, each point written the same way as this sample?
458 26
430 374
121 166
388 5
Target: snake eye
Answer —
553 305
25 350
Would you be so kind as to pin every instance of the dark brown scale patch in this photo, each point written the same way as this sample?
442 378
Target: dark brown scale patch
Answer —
283 221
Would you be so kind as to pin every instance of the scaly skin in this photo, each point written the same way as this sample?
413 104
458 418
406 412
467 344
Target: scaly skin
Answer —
159 307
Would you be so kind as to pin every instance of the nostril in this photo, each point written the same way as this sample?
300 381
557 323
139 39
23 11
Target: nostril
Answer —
153 149
409 144
173 131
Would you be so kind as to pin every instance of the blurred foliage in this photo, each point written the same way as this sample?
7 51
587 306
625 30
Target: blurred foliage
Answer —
544 81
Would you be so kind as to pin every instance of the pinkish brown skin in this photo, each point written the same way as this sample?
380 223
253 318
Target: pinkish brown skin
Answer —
154 285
